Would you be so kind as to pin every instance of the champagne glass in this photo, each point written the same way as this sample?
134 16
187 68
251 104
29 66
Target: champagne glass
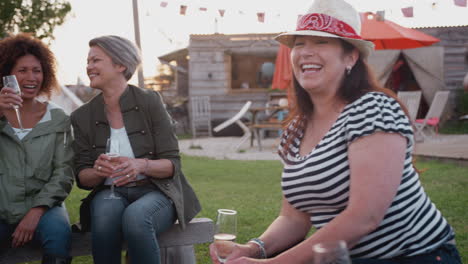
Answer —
10 81
225 233
331 252
113 152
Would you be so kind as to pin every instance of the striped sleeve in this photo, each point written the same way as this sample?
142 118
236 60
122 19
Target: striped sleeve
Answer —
377 112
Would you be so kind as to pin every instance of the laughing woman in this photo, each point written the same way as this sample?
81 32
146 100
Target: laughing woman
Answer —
347 154
151 188
35 162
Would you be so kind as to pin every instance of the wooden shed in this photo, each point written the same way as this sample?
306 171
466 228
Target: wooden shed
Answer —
454 40
231 69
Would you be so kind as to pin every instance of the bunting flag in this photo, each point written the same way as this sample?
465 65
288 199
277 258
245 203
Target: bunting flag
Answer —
221 12
380 15
183 9
460 3
261 17
407 11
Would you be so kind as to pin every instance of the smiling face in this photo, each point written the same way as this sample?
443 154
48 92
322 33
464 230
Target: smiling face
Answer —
100 68
319 63
28 71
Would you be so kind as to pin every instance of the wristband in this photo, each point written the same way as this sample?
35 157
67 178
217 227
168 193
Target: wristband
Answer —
261 245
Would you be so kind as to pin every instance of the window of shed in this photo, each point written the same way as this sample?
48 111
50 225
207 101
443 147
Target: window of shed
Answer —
252 71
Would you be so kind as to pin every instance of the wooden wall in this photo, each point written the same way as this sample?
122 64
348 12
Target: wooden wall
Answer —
455 43
210 67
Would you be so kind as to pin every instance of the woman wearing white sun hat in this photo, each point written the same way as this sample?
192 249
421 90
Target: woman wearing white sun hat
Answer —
347 158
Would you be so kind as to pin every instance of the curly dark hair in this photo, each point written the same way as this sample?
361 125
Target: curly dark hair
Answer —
14 47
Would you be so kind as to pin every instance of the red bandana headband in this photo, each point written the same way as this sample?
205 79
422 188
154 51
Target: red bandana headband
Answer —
325 23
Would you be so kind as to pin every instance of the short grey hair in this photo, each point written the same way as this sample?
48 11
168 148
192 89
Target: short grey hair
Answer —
122 52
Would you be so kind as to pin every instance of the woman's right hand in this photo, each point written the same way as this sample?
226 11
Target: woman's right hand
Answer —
240 250
8 98
103 166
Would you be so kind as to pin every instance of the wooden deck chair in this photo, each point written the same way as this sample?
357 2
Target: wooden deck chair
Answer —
411 100
237 119
431 121
201 115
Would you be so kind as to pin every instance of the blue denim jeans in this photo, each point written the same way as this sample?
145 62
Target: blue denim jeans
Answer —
445 254
138 217
53 232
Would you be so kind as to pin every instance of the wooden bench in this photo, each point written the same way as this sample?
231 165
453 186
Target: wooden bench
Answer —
176 244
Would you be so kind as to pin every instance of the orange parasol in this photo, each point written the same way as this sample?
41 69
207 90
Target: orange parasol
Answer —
283 72
388 35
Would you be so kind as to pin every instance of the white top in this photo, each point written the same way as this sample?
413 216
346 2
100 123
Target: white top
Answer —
125 149
318 183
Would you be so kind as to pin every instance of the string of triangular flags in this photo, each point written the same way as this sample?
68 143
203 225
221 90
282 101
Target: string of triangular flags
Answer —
183 11
406 11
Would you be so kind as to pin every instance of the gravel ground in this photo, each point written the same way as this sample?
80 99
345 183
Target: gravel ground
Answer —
224 148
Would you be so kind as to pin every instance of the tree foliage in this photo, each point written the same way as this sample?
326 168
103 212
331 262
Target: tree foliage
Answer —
38 17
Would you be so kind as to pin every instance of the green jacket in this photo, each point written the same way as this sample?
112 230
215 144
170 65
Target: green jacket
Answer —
37 170
151 136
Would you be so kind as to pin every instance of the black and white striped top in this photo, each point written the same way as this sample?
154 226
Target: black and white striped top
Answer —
318 183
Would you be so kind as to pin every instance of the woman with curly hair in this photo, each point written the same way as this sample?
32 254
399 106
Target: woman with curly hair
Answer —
35 162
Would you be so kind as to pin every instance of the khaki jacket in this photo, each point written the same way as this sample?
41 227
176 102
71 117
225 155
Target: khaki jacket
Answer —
151 136
37 170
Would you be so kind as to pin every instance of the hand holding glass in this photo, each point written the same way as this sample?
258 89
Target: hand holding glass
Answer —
225 233
331 252
11 82
113 152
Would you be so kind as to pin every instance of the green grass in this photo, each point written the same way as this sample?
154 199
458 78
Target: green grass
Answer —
454 127
253 189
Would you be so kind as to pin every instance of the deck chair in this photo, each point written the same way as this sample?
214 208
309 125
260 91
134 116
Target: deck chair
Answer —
201 115
237 119
411 100
431 121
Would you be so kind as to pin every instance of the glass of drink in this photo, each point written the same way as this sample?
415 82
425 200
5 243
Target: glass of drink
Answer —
225 233
113 152
331 252
11 82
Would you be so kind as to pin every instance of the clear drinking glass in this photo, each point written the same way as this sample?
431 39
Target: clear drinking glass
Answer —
331 252
225 233
113 152
10 81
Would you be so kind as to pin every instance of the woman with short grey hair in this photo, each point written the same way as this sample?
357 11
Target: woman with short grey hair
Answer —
151 191
121 51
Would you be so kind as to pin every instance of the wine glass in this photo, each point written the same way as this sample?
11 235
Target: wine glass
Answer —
225 233
11 82
331 252
113 152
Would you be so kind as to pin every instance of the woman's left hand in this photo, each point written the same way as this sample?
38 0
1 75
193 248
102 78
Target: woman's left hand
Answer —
26 228
129 168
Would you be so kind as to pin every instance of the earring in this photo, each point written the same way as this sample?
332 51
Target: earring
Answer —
348 69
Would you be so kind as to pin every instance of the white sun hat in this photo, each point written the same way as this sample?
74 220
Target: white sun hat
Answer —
330 18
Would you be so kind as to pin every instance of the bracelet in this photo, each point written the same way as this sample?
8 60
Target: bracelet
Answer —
146 167
261 245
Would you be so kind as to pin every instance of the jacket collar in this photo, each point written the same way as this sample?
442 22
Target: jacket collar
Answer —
127 103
